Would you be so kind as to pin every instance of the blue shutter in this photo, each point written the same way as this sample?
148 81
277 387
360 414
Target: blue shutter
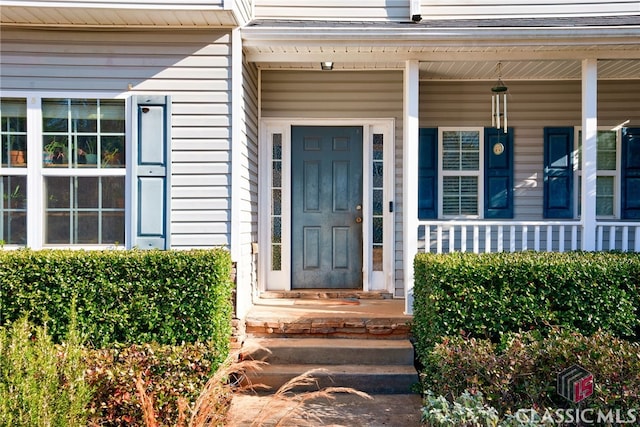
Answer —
150 163
498 173
630 173
428 174
558 172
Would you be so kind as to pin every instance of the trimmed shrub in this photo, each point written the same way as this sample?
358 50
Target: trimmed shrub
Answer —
169 374
41 383
524 372
487 295
134 296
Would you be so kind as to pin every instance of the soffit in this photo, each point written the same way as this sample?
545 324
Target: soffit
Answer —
118 17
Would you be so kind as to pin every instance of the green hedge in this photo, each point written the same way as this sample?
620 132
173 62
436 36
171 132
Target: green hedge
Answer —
488 295
168 297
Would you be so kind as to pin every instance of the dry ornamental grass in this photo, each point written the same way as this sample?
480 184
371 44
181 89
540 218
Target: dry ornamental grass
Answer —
211 406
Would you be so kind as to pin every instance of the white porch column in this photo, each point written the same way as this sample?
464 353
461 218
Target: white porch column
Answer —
240 249
236 142
589 150
410 177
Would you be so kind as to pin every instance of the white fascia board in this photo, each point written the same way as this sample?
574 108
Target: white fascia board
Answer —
573 36
411 54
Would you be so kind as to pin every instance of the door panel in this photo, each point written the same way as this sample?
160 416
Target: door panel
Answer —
326 195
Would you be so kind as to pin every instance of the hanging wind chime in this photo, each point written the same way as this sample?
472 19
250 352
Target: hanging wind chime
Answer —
496 113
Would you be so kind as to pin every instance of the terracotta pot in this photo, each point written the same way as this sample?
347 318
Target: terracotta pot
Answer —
17 157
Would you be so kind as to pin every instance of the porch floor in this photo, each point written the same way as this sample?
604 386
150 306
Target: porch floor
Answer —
357 316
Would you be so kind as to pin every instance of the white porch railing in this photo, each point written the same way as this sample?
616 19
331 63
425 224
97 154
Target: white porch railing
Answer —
613 235
512 236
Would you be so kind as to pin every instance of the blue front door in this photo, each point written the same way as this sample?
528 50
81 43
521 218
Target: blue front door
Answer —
326 207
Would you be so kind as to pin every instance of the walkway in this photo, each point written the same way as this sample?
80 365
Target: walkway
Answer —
390 410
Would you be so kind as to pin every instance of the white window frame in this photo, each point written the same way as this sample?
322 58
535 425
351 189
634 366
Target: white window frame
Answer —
616 174
269 280
479 173
36 173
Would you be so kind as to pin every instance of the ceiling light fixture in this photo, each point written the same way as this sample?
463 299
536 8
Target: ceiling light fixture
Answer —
326 65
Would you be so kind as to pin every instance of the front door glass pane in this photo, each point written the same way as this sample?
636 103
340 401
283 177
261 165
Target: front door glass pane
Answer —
378 200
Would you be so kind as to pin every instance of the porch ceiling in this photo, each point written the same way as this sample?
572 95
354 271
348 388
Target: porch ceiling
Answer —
455 50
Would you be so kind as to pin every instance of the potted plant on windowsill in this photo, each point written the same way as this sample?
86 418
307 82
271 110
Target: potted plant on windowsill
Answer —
87 153
17 154
55 152
92 158
110 158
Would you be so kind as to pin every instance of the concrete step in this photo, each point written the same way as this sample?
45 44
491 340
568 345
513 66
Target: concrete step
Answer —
332 351
369 365
386 379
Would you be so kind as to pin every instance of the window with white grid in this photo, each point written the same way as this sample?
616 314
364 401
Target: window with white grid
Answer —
461 172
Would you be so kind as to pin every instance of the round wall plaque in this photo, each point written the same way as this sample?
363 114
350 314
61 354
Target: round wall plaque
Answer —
498 148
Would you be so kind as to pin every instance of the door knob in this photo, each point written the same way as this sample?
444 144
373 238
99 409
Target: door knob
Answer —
359 219
358 207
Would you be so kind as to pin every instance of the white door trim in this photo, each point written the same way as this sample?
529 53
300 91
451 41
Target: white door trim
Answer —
270 279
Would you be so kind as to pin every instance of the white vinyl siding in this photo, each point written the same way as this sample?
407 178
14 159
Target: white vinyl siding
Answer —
190 66
334 10
249 165
244 9
483 9
247 193
351 94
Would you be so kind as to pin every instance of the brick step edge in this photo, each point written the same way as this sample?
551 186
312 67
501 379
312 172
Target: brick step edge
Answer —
326 294
326 328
